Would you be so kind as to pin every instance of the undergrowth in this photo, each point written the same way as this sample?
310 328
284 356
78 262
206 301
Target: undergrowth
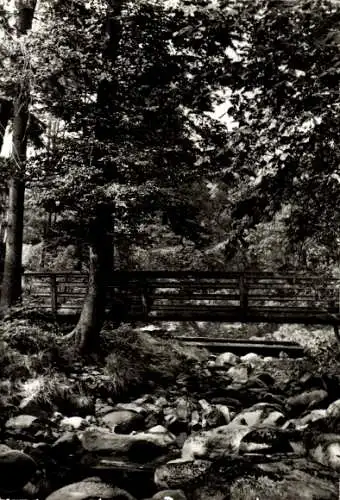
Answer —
34 357
137 359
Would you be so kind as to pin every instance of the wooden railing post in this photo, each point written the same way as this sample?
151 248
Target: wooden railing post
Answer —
54 294
243 293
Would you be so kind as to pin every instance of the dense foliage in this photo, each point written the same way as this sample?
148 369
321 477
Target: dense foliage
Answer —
124 94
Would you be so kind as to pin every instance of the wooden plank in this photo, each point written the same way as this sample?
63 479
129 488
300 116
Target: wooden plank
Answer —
293 351
237 341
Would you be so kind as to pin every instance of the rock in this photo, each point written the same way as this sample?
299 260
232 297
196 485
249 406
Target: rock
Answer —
158 429
139 402
268 359
224 410
161 402
169 495
22 423
311 381
195 421
212 416
178 418
134 406
30 406
75 423
227 358
123 421
251 358
307 399
16 469
298 479
215 443
173 423
267 439
102 409
141 447
67 443
303 422
181 473
274 418
184 408
89 489
232 403
31 490
261 380
326 450
4 448
239 373
333 409
259 413
249 417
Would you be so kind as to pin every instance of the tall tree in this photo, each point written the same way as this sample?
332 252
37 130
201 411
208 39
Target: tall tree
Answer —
11 284
100 227
130 146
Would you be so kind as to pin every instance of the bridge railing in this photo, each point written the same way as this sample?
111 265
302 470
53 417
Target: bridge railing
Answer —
210 295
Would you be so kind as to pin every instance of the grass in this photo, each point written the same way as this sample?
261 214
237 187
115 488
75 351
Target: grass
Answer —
38 367
137 359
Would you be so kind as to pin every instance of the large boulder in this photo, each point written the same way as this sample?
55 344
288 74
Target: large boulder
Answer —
260 413
141 447
181 473
22 423
307 399
16 469
306 420
90 489
215 443
270 439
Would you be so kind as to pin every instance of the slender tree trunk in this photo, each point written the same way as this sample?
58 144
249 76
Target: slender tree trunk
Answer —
87 330
6 111
11 285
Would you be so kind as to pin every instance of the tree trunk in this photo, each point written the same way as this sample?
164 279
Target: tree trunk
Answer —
86 332
11 285
92 314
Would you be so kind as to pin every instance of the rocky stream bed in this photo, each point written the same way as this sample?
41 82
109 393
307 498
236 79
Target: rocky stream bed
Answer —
244 428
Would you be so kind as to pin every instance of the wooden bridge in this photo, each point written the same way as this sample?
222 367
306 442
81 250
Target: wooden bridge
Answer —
195 296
